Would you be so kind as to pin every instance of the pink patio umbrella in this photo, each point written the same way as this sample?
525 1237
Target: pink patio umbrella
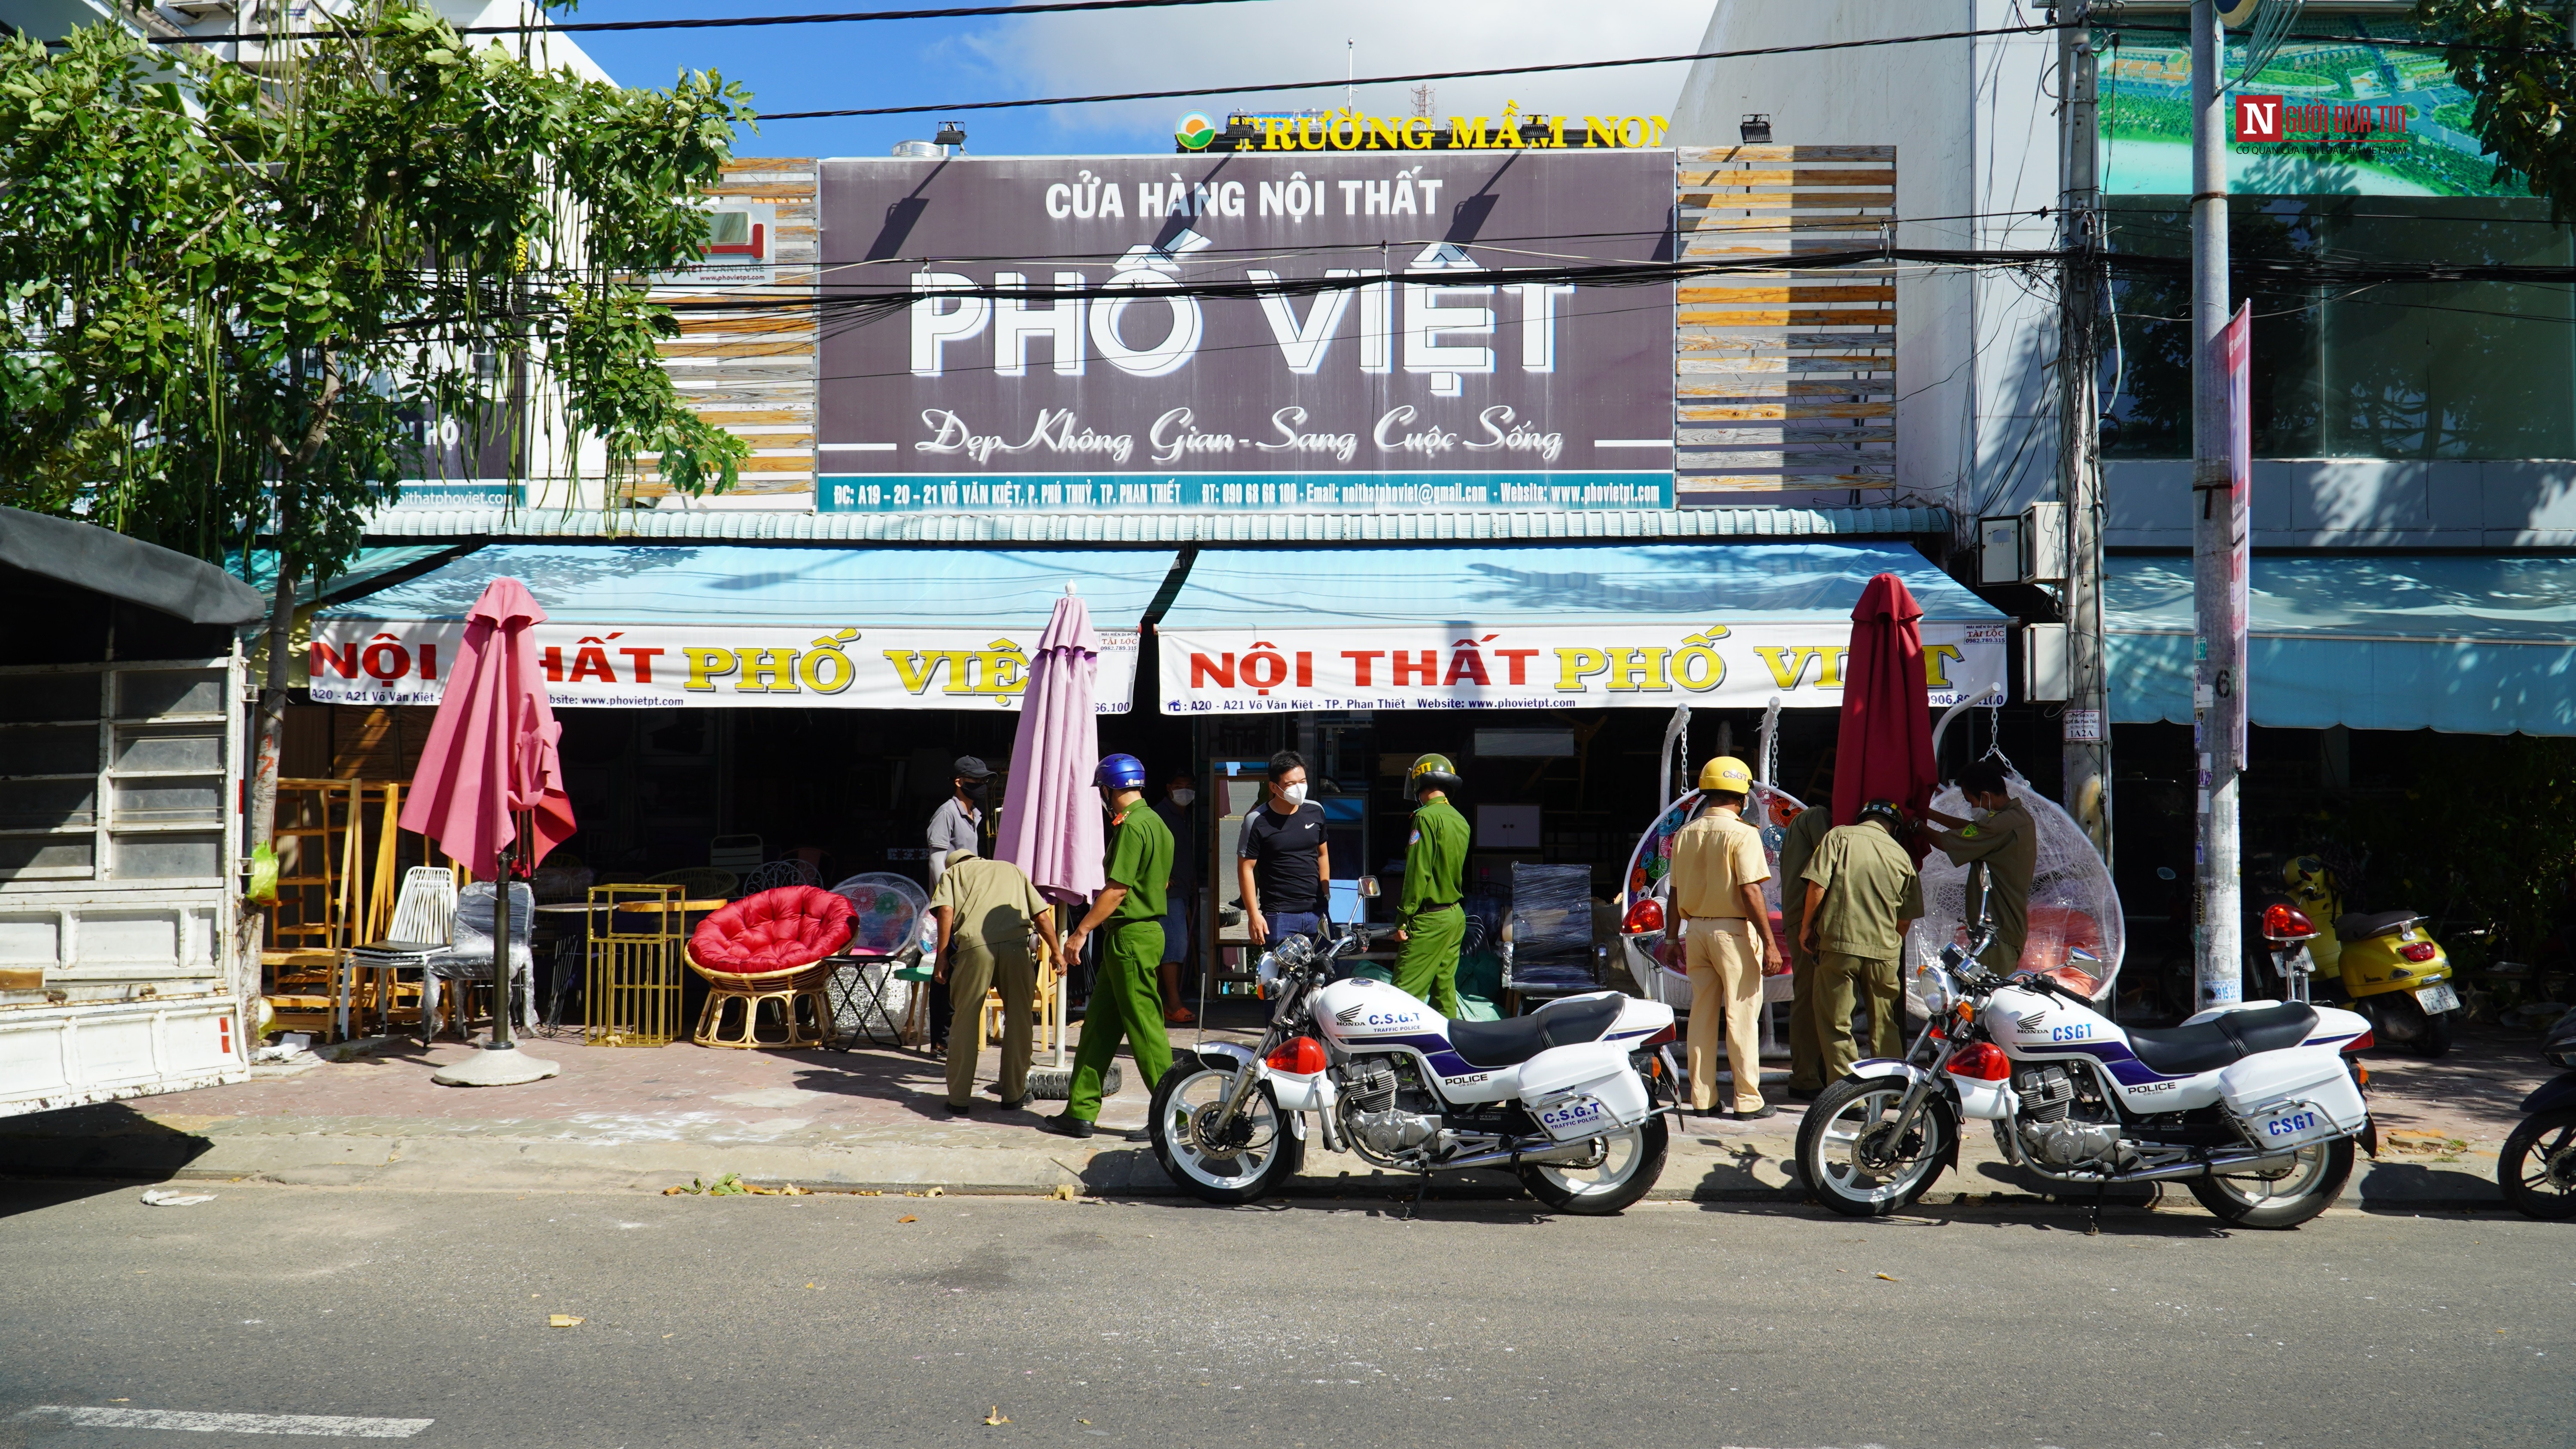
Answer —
490 759
1050 824
1884 751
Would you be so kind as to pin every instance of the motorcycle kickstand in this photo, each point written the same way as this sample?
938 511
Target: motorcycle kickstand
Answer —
1421 1185
2093 1228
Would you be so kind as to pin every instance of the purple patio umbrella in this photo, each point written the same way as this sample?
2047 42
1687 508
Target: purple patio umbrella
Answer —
1050 824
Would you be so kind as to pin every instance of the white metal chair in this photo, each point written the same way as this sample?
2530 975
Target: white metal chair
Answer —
779 873
423 925
469 958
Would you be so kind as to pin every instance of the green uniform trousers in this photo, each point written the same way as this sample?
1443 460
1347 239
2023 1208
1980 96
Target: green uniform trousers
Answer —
1126 1005
1806 1040
1426 969
973 969
1838 979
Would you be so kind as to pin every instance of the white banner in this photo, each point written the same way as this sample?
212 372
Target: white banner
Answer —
366 661
1583 666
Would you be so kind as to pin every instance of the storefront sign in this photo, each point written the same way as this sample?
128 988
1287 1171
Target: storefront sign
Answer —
1069 362
1651 666
358 661
1351 130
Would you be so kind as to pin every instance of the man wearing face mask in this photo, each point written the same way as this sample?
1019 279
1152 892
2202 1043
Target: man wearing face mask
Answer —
1126 1000
1431 926
1179 794
959 822
1283 864
2000 846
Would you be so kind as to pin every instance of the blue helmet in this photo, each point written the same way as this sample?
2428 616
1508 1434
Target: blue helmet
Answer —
1120 772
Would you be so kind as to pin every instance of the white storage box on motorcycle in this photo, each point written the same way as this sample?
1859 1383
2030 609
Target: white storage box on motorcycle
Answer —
1582 1091
2289 1099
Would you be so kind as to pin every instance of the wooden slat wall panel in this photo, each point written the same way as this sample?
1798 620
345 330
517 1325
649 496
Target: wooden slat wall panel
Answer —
752 372
1784 381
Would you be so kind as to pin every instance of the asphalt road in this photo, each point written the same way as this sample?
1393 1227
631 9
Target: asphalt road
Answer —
830 1320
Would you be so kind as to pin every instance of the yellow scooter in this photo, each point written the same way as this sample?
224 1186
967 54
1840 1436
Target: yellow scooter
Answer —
2391 970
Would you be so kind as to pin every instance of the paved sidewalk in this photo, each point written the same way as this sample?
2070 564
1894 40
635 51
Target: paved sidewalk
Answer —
643 1120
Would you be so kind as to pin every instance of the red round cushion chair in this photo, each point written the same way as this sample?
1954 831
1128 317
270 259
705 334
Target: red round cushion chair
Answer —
778 930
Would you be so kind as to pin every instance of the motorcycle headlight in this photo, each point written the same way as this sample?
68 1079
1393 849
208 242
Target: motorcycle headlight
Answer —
1934 988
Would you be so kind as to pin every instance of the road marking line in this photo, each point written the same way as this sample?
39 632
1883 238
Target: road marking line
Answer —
320 1425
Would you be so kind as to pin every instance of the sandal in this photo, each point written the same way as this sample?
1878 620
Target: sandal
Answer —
1179 1016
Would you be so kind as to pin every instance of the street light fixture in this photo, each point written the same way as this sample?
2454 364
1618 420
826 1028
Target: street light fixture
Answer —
951 134
1757 130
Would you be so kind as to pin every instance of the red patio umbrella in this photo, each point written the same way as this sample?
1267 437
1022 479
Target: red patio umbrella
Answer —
1050 824
1884 751
490 760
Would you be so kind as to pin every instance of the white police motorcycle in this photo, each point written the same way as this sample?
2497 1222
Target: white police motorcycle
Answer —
1559 1097
2254 1106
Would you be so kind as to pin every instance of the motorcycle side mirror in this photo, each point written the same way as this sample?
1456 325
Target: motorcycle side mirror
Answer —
1369 889
2080 954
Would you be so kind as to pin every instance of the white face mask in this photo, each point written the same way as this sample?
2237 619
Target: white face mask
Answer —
1293 795
1184 797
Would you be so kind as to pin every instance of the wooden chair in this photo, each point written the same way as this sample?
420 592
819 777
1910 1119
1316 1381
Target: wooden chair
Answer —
988 1022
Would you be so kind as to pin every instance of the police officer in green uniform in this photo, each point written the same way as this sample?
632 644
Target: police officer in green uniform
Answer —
1126 997
1431 925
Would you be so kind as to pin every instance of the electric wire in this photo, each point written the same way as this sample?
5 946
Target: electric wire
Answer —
722 22
1338 82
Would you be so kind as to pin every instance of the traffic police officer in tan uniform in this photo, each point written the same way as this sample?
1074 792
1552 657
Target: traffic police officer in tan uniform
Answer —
1717 877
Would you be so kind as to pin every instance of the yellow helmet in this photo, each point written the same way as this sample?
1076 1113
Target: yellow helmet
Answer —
1727 773
1431 772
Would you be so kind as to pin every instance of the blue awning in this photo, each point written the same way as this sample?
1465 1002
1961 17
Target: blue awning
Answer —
645 584
2470 645
1636 626
1778 583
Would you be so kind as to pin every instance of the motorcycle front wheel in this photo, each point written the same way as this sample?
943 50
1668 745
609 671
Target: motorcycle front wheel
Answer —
1850 1156
1247 1161
1630 1162
2538 1168
2309 1187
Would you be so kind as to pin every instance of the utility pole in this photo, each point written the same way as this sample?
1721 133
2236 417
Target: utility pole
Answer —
2218 700
2086 757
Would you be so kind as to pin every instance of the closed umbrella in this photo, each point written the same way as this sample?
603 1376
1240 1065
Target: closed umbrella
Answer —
1884 751
491 760
1050 824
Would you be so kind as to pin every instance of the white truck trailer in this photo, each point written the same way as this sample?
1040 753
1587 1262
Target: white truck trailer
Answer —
123 691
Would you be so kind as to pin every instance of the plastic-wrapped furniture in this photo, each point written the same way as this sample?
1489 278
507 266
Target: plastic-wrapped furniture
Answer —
468 956
762 957
1551 928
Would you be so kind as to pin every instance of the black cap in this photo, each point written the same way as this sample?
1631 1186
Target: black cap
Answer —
971 768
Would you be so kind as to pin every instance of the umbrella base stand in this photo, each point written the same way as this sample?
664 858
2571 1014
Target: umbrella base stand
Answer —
489 1068
1054 1084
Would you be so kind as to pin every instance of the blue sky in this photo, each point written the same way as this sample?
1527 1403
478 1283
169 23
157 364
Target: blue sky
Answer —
817 67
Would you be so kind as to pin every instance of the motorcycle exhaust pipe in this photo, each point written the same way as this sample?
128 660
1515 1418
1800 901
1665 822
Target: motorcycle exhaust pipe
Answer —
2182 1170
1537 1149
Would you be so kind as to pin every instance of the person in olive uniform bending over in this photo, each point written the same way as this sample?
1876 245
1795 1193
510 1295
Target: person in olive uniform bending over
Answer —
1126 999
1806 830
1430 924
1862 893
2000 847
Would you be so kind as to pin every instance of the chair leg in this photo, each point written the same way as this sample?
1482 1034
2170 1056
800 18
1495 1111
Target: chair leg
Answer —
428 1007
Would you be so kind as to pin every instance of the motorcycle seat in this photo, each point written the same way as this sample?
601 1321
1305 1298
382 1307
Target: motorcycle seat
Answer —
2362 925
2182 1051
1514 1040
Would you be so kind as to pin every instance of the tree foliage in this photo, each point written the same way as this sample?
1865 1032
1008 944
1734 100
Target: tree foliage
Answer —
2514 59
229 293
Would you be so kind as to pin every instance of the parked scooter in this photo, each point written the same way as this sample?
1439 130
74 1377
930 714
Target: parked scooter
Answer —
2254 1107
2383 963
2538 1168
1560 1097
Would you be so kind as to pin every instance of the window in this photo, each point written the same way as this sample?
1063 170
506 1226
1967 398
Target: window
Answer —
2396 370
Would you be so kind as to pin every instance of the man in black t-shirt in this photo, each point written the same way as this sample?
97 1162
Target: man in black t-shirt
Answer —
1284 868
